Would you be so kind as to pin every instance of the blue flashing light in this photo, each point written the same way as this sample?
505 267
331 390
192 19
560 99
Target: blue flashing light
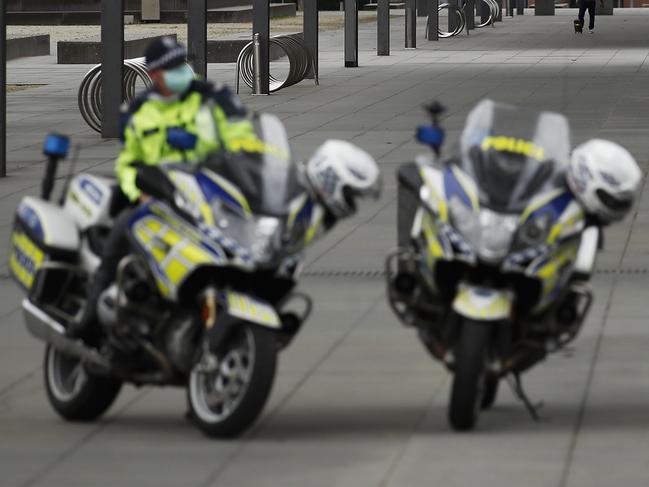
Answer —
433 136
56 145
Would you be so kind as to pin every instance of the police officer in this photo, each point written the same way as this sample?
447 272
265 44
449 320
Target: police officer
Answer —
180 119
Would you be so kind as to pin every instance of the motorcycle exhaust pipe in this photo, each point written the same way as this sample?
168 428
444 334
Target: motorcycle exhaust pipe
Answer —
42 326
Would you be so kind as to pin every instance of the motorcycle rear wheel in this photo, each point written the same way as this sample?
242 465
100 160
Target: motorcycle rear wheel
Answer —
224 403
75 394
469 378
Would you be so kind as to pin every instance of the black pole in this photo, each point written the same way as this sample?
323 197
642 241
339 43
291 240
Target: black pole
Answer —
433 23
520 6
3 88
261 26
383 28
112 66
423 8
469 12
453 20
197 35
310 29
351 33
411 24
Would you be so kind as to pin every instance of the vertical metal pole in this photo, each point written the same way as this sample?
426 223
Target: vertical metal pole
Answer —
520 6
423 8
510 8
453 21
411 24
197 34
112 66
433 22
469 12
484 11
351 33
383 28
310 29
261 26
3 88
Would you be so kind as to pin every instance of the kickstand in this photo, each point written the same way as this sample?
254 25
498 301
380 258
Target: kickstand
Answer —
516 385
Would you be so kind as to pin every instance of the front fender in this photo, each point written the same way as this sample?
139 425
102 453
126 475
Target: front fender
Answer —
250 309
483 304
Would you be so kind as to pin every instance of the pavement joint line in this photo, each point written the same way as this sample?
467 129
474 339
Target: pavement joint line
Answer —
574 439
51 466
10 387
349 234
211 480
394 464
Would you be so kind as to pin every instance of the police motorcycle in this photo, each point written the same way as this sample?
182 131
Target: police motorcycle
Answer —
497 245
206 299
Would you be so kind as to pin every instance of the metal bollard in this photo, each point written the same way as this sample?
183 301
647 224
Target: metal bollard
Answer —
256 59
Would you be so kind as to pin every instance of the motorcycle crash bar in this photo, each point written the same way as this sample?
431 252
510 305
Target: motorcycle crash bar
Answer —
45 328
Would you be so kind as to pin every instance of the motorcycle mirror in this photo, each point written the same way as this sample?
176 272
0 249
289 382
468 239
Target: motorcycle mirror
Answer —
153 181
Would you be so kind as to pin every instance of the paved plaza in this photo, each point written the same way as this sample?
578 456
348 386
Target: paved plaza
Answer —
357 401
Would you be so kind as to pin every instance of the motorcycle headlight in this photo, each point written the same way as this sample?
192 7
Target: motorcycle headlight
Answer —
264 243
534 231
464 220
497 233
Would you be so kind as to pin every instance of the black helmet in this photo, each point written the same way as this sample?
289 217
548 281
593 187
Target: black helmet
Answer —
165 53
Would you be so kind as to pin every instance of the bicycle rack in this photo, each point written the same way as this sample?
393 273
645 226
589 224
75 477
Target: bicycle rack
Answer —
301 63
89 96
461 17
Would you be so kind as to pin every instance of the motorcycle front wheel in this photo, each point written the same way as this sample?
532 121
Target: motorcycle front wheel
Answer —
73 392
469 379
225 402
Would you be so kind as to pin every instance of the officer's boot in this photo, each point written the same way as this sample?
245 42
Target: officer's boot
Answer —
87 324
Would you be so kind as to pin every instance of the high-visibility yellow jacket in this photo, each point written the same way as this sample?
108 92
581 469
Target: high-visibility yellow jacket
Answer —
214 114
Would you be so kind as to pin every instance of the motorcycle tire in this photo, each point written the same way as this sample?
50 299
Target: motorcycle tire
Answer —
490 392
226 402
469 375
75 394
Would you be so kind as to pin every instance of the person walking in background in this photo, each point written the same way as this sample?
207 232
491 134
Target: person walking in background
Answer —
590 6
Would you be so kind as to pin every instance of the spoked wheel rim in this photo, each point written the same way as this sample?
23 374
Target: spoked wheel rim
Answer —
67 375
216 395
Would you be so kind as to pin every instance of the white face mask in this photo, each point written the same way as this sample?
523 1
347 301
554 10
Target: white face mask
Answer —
178 80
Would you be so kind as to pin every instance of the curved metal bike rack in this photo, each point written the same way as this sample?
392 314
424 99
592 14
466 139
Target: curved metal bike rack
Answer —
301 62
493 14
89 97
461 21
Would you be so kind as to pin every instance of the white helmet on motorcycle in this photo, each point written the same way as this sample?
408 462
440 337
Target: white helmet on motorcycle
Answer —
339 172
605 178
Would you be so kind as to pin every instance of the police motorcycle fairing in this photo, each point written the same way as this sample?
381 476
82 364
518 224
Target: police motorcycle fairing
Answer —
205 300
495 253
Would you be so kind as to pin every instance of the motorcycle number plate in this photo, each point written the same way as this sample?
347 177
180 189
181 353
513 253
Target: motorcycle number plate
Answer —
251 309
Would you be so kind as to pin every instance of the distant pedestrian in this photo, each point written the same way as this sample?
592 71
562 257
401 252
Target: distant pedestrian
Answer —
590 6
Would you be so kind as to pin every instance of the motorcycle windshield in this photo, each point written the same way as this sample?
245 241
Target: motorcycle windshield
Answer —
263 169
513 154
